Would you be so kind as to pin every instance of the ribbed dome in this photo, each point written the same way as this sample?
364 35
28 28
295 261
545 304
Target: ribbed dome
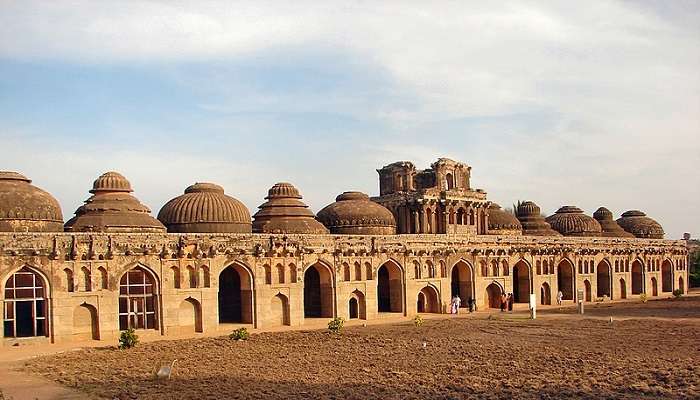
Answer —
641 226
204 208
353 213
284 212
610 227
26 208
528 213
571 221
112 208
502 222
111 182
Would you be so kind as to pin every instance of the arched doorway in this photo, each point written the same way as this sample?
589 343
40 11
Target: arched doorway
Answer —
623 289
450 181
428 300
681 286
235 295
493 295
85 323
565 279
389 288
26 307
545 294
666 277
138 303
654 287
279 310
190 316
637 277
318 292
603 281
357 305
587 290
521 282
461 282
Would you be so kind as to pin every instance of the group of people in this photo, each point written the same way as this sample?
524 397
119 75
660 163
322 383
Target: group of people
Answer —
507 302
456 303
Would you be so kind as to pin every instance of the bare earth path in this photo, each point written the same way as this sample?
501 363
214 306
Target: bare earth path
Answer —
650 351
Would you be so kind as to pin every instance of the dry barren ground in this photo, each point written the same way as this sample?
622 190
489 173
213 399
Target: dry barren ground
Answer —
555 356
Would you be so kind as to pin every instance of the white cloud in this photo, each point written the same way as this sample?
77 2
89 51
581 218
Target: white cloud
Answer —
621 78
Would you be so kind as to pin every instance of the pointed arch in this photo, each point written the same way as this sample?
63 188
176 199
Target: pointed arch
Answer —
521 282
390 288
462 281
666 276
318 290
637 277
493 294
26 306
357 307
358 271
104 280
604 279
545 294
190 316
279 310
87 278
236 294
566 278
138 299
86 325
428 300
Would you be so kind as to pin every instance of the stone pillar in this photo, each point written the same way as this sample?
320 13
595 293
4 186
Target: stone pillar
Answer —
416 223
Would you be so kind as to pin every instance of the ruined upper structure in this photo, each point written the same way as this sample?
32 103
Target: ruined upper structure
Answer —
608 224
204 208
571 221
436 200
502 222
112 208
284 212
641 226
534 224
26 208
354 214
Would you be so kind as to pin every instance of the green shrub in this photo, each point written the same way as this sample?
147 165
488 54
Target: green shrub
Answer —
239 334
418 321
336 325
128 339
643 297
677 293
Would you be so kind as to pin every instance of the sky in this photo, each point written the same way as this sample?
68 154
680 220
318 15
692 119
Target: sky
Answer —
560 103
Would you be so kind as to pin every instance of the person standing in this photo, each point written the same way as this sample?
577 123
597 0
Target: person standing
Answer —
470 303
504 301
510 301
454 304
560 297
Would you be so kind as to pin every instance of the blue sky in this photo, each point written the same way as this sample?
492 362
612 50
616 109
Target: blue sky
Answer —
588 107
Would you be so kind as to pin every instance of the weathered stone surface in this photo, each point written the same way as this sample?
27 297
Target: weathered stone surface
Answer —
571 221
641 226
26 208
354 214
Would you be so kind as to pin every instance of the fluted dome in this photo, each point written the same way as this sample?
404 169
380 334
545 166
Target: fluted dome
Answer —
26 208
571 221
112 208
529 215
284 212
353 213
502 222
610 227
641 226
204 208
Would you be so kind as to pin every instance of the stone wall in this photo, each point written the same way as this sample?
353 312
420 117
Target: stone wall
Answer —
82 273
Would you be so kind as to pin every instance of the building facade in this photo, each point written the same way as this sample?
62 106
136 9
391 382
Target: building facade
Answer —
115 267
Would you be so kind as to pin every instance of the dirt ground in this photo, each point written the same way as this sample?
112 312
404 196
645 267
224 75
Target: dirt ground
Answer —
650 351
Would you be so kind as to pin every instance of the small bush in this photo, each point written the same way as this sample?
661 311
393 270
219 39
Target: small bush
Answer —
128 339
677 293
643 297
336 325
418 321
239 334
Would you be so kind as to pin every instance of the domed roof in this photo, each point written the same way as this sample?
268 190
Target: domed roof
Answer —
610 227
204 208
641 226
529 215
353 213
502 222
284 212
26 208
112 208
571 221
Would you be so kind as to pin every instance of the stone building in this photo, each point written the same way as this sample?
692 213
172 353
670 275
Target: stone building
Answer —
116 267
